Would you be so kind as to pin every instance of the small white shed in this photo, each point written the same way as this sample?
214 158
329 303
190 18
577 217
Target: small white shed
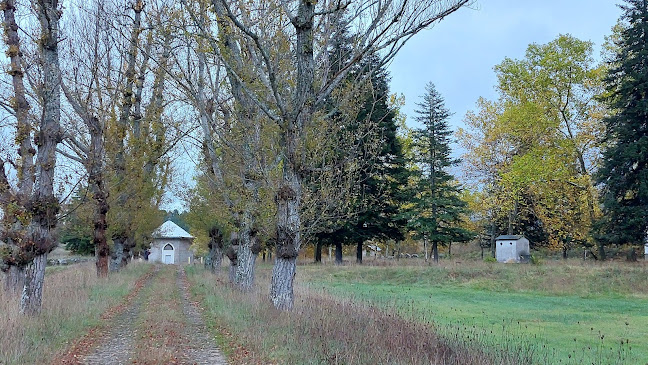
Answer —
512 248
171 245
646 251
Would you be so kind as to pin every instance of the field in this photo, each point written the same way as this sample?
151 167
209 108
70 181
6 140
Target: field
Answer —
561 312
382 312
74 299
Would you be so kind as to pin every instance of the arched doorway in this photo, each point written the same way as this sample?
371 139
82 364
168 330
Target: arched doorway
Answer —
168 254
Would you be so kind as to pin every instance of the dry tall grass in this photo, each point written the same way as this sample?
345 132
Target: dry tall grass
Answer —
559 277
323 329
73 300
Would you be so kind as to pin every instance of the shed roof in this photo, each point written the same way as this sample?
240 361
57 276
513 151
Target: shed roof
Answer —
509 237
170 230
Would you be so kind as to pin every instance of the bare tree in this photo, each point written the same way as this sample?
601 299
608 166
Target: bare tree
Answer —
16 198
85 85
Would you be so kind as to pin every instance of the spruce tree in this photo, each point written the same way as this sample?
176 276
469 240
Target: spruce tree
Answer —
624 172
379 200
376 198
435 209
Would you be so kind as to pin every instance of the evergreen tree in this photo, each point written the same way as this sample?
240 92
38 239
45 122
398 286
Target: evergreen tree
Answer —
376 201
624 172
380 184
435 209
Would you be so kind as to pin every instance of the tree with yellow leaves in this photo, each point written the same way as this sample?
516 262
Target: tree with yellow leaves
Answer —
536 146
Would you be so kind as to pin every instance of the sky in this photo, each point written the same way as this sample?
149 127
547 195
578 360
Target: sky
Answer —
458 54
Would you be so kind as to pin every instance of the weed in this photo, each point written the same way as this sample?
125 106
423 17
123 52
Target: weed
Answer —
73 300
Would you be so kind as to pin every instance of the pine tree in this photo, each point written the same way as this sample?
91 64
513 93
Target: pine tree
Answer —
624 172
436 208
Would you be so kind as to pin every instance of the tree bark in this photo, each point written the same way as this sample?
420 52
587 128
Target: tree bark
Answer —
117 257
601 251
359 252
435 251
102 250
14 279
44 205
290 190
245 268
100 196
288 240
425 248
318 251
247 255
493 239
232 253
20 104
32 295
215 255
338 253
283 275
122 231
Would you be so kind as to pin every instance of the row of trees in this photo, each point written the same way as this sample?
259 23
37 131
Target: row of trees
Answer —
288 103
560 155
110 87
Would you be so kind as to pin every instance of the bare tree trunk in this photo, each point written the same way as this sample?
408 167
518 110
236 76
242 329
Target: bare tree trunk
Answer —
232 270
512 218
338 253
359 252
425 248
248 251
288 241
435 251
20 104
283 276
232 253
318 251
290 190
12 232
601 251
44 204
245 268
100 196
117 256
32 295
493 238
121 234
102 250
215 255
14 279
129 245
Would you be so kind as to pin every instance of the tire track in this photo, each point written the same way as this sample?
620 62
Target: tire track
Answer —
201 348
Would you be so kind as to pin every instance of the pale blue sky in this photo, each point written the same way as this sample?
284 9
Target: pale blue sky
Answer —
459 53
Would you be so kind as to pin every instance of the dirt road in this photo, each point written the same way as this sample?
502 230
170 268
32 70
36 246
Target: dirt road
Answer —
158 324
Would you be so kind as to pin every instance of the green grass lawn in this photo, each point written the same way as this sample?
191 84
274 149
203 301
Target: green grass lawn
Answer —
591 327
